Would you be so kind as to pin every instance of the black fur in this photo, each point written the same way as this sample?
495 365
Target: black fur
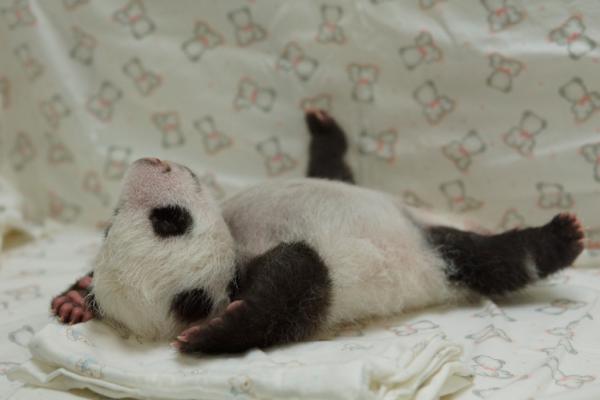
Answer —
191 305
284 295
328 146
496 264
171 220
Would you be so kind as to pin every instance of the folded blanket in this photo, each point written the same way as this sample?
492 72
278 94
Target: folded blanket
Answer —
377 363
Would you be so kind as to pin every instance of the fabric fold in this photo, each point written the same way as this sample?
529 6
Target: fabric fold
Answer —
377 365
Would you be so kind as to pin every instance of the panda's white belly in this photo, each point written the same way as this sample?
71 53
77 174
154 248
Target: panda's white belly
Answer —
378 260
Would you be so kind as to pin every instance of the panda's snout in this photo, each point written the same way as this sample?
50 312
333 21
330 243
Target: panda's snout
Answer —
166 167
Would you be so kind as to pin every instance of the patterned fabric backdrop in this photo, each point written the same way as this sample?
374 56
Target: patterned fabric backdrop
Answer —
486 108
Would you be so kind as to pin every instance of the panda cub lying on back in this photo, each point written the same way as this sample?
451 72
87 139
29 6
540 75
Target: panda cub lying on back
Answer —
285 259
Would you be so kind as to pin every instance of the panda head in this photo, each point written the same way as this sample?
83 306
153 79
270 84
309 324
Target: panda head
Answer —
167 236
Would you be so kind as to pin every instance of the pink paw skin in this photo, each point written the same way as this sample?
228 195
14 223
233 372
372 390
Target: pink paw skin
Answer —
70 306
206 332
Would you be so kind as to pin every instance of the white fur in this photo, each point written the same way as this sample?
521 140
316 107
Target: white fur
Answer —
137 275
378 259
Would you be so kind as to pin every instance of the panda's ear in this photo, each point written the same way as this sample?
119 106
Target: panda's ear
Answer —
191 305
172 220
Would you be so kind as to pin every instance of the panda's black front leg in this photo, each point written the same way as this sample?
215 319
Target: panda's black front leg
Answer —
283 296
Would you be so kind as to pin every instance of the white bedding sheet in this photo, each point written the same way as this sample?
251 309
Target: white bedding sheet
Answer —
540 343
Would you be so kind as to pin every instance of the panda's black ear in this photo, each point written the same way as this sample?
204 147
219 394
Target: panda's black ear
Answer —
172 220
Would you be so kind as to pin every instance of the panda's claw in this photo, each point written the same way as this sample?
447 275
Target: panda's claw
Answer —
70 306
222 334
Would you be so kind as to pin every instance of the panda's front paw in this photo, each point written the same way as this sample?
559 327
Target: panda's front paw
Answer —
226 333
71 306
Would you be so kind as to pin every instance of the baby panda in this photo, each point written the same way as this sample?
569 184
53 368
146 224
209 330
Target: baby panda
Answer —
283 260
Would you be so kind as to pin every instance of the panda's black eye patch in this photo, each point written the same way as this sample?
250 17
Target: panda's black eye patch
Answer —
170 221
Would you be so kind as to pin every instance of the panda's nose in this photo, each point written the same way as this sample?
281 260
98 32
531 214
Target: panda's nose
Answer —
153 160
157 162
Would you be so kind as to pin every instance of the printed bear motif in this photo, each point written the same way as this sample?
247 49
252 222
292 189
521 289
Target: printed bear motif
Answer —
562 379
18 14
553 195
58 152
54 110
102 104
276 161
169 125
491 367
380 144
294 59
92 183
435 106
329 30
411 199
250 95
522 137
134 16
23 151
458 201
504 70
62 210
583 102
561 306
117 161
21 336
30 64
247 31
145 81
213 139
502 14
203 39
461 152
424 51
364 78
512 219
487 333
571 33
591 153
414 328
84 47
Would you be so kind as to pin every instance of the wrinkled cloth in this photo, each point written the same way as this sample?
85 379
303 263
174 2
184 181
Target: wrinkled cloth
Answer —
378 365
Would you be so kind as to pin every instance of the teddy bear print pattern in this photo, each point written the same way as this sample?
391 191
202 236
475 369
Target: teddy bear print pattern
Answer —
457 115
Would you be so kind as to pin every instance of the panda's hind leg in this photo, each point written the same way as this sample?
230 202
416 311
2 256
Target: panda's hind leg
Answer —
328 146
282 296
499 264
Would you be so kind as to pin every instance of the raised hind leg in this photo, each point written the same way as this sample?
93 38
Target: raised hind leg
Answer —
328 145
498 264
